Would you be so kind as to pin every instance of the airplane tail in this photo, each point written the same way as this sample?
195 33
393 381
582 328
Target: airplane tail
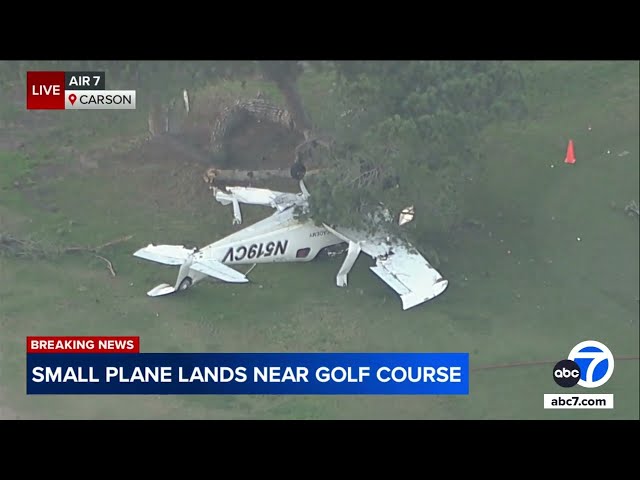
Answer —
193 267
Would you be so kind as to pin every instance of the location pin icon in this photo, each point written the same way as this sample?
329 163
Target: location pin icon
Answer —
72 98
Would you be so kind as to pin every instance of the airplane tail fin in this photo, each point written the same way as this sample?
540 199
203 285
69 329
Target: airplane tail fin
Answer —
189 262
169 255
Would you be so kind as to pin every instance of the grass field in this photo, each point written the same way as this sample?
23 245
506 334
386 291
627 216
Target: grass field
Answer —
522 287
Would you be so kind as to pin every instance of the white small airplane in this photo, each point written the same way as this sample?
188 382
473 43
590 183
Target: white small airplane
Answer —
284 237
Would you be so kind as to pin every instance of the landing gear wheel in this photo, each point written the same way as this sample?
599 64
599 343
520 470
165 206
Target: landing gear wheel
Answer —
298 171
185 284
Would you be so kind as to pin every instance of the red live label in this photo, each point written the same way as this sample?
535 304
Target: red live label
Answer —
83 344
45 90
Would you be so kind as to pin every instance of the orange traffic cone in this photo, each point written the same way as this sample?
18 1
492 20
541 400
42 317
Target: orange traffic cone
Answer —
570 158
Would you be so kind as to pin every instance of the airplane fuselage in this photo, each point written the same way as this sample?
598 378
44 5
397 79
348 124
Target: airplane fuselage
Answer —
287 241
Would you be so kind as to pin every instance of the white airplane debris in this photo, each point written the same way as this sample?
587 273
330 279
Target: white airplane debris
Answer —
185 97
406 215
285 237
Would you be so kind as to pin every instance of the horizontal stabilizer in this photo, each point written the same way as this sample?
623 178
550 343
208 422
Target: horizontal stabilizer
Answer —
218 270
165 254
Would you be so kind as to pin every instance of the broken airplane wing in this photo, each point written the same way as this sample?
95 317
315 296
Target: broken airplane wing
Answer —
398 264
258 196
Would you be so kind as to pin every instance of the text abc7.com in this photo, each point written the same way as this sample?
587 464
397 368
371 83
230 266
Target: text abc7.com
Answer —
590 364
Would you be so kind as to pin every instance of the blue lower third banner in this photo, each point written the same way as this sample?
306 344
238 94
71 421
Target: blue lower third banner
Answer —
248 374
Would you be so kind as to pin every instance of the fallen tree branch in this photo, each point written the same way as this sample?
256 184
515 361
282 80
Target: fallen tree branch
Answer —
365 178
310 143
21 247
108 262
94 251
98 248
26 247
216 175
114 242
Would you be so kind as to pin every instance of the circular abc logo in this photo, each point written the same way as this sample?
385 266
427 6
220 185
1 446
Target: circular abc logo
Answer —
595 362
566 373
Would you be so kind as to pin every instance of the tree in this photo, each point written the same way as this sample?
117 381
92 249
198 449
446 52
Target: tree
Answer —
408 138
285 75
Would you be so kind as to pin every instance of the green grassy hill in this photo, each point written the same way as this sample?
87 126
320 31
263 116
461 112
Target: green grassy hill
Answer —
523 288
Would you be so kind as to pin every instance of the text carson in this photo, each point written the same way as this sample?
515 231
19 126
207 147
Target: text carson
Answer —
106 99
256 250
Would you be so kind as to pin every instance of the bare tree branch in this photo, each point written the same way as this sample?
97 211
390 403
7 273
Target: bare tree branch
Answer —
215 175
108 262
17 247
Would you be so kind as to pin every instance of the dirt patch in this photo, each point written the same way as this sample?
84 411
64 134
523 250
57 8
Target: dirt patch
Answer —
167 172
170 167
165 167
262 146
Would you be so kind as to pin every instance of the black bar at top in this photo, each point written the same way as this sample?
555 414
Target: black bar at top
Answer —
84 81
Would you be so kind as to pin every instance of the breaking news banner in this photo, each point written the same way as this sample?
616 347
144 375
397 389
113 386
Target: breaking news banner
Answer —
115 366
75 91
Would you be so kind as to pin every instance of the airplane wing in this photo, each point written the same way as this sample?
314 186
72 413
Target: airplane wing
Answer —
258 196
165 254
179 255
218 270
254 196
399 265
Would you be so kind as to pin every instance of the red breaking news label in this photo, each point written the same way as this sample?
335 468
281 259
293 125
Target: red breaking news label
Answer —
45 90
83 344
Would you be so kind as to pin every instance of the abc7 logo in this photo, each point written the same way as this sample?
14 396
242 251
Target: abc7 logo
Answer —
590 365
566 373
